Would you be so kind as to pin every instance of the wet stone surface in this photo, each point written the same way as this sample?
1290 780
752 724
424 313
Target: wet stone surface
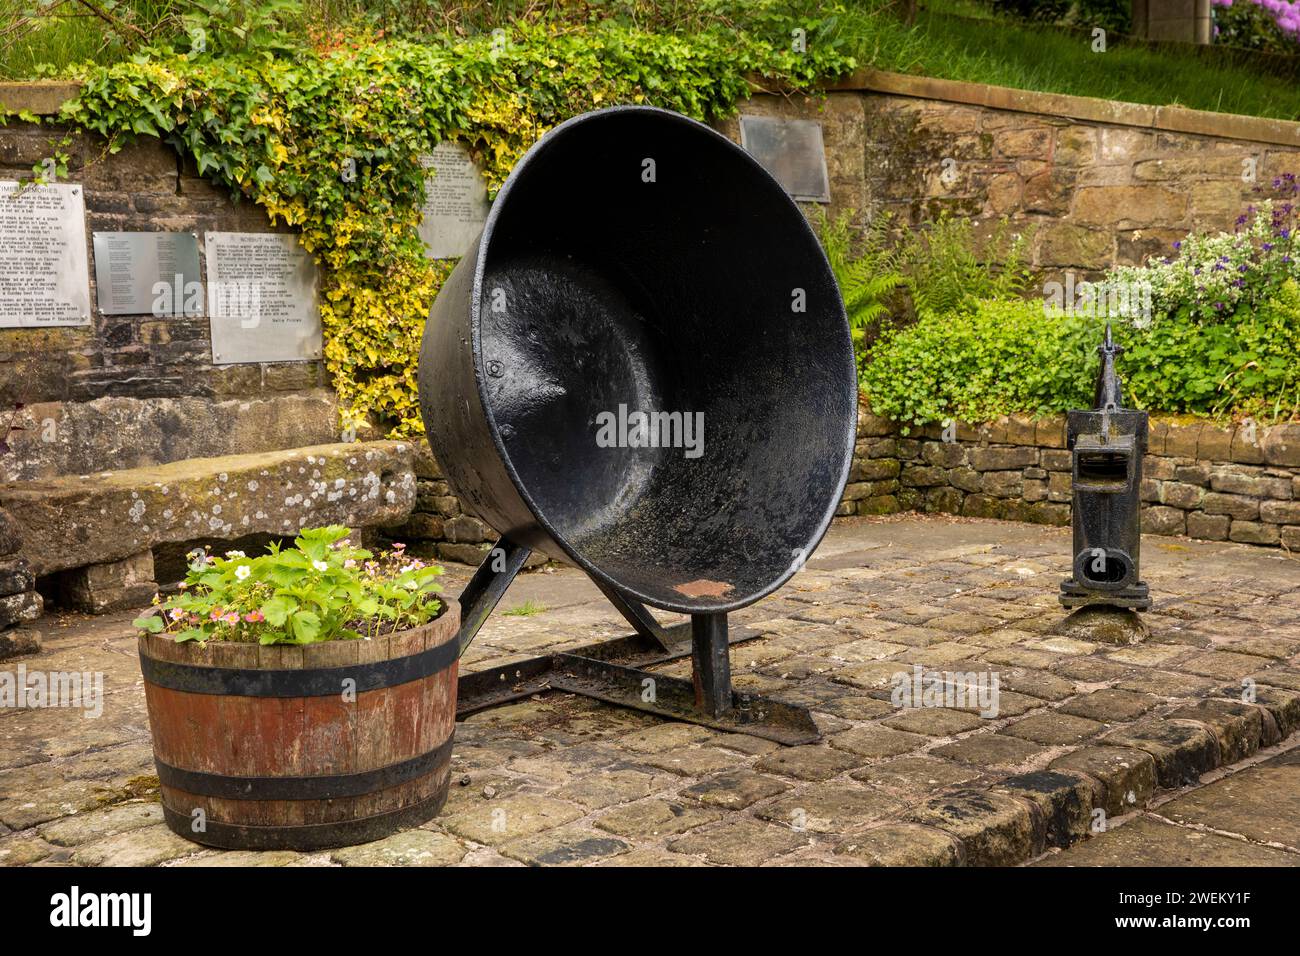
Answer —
1084 727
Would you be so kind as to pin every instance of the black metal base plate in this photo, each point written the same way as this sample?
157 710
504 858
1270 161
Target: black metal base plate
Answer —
1074 595
612 671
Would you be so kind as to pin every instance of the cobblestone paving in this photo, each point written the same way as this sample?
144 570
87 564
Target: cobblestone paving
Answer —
1087 732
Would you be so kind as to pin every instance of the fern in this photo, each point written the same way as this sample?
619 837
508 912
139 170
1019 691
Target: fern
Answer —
867 270
949 274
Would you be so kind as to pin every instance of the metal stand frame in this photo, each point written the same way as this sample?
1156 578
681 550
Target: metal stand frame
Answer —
612 670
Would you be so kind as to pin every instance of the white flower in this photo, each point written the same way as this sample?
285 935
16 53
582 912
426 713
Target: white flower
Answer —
320 565
236 554
243 571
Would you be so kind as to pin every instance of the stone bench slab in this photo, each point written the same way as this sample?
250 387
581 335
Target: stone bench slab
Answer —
71 522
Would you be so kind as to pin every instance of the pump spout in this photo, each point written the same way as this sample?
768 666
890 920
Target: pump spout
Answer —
1109 393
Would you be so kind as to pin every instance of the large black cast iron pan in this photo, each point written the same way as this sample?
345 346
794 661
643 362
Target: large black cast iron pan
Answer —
637 258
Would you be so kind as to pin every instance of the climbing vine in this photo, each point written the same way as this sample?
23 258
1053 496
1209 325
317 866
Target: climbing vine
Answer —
327 137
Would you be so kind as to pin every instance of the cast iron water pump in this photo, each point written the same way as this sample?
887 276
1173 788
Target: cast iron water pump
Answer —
1107 444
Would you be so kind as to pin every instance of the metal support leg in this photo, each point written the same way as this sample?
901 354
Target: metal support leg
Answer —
711 663
636 614
487 586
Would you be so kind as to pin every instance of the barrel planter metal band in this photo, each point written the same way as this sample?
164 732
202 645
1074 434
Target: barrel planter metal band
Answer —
321 787
308 837
303 747
313 682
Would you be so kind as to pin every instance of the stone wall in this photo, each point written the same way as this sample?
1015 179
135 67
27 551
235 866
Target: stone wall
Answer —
1101 183
437 527
1235 483
128 391
144 187
20 603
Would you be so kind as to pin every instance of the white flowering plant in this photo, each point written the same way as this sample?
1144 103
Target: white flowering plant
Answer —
1211 276
321 589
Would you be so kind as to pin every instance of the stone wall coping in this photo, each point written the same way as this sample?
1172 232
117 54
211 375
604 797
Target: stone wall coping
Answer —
46 97
42 97
1173 119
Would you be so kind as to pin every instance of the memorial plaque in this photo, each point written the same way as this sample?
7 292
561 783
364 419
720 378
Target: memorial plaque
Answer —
44 275
261 298
148 273
792 151
455 202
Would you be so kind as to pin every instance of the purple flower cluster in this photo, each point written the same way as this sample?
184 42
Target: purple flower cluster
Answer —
1285 13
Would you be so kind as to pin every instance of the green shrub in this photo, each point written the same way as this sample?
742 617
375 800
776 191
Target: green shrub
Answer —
1013 356
1110 14
1246 364
1213 275
1252 27
998 357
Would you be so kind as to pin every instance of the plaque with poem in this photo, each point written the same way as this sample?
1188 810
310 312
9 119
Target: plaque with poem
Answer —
455 202
148 273
262 298
44 272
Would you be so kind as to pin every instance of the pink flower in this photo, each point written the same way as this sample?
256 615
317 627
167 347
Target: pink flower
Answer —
216 613
231 618
349 564
253 617
176 614
398 546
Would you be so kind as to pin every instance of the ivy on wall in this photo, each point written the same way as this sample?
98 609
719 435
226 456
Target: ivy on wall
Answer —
329 141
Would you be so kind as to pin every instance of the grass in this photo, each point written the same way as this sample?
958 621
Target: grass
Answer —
952 39
69 33
1033 57
528 609
56 40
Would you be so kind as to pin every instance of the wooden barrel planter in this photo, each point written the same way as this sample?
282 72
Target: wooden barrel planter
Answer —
303 748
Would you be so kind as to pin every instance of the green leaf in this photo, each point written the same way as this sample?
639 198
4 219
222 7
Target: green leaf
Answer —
277 610
305 626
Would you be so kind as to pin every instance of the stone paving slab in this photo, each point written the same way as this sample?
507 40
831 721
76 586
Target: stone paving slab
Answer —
1152 842
1084 730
